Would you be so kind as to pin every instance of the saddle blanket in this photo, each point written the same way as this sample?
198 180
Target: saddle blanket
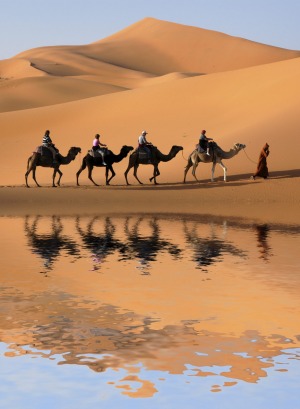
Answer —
94 154
43 150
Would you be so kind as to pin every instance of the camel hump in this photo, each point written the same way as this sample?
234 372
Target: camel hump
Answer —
38 149
42 150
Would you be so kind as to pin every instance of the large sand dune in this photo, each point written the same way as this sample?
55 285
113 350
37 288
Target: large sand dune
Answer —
169 79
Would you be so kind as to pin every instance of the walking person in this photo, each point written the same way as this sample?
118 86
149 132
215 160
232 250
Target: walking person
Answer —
262 168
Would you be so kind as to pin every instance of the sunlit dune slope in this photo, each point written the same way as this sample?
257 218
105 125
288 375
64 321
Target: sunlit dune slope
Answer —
148 52
157 47
161 47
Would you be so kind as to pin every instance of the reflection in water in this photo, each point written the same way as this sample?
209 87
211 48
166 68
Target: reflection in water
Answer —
262 239
100 244
209 249
145 247
49 245
167 321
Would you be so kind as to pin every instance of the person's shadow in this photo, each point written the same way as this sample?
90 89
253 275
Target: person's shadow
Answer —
49 245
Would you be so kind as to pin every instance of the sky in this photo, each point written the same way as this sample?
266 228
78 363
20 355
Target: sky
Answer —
26 24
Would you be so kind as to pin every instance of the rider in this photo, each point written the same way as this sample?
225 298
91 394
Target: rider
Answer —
144 144
96 147
204 143
47 143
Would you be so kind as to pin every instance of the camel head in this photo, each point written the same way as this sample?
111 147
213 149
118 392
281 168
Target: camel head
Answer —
73 152
239 146
126 149
176 148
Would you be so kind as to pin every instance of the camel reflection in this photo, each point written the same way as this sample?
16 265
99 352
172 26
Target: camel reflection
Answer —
209 250
99 243
48 245
144 247
262 232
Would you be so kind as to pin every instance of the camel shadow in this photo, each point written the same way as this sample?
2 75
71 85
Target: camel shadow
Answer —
233 180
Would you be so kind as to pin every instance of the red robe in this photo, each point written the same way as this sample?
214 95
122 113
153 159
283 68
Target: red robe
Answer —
262 168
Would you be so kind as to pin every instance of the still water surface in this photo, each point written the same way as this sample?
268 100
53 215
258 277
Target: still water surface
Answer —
149 311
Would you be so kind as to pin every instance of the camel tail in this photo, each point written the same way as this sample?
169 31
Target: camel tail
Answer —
28 161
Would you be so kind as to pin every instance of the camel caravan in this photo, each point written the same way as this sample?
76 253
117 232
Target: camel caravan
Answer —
47 155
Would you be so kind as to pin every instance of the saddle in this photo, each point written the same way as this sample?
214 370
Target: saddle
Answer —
142 154
94 154
199 149
97 154
43 150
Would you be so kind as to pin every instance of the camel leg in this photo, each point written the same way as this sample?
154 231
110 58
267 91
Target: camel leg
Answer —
53 177
83 166
213 171
26 177
156 173
60 175
90 170
194 170
135 173
126 173
186 171
110 168
34 178
224 170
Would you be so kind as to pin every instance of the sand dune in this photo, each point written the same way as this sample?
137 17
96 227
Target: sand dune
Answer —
250 93
248 106
159 47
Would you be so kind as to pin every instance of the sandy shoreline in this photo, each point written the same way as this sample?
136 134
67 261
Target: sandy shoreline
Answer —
275 200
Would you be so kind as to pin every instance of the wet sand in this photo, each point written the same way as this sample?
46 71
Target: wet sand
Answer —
274 200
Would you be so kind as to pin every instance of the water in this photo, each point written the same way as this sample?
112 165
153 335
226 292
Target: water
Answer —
149 311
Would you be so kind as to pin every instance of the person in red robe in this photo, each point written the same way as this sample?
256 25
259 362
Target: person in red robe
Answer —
262 168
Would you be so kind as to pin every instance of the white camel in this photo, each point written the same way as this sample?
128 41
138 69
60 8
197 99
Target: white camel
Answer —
216 157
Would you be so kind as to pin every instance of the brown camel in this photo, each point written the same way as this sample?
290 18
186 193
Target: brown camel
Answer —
216 157
110 158
137 158
46 161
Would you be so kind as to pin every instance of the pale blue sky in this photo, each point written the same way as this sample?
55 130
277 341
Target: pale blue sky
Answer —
26 24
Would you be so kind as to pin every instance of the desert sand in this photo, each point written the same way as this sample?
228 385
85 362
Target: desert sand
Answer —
173 81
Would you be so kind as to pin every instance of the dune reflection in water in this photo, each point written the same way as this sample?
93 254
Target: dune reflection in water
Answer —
199 297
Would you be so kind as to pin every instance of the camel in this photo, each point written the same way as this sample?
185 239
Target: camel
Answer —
110 158
136 159
45 160
216 157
